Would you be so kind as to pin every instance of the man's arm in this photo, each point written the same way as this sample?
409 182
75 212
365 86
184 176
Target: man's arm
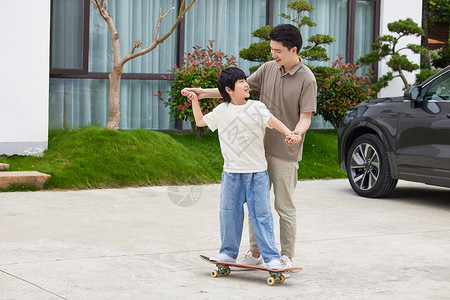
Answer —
203 93
303 123
302 126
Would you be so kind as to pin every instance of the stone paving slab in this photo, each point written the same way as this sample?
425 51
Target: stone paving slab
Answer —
143 243
8 178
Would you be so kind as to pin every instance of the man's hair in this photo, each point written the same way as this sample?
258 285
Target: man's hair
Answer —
288 35
228 78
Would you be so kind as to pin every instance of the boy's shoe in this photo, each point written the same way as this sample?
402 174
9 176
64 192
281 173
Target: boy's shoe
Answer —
275 264
223 258
249 260
286 262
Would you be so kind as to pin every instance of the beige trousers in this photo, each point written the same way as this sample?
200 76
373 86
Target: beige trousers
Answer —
283 176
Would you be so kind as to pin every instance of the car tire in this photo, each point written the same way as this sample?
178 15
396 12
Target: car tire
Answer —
368 167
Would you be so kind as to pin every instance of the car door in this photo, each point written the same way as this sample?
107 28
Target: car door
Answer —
423 139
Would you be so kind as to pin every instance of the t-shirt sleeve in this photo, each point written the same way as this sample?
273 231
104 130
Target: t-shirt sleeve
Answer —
265 114
255 80
211 119
308 100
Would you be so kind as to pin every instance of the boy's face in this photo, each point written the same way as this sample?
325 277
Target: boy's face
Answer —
282 55
241 90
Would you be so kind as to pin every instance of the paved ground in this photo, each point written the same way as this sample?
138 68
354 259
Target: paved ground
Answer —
143 243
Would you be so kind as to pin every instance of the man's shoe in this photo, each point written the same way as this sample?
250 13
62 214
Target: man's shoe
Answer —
249 260
223 258
275 264
286 262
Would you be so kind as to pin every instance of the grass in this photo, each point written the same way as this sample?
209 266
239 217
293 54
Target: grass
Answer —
93 157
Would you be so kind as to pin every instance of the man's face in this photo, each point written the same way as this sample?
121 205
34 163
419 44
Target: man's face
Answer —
281 54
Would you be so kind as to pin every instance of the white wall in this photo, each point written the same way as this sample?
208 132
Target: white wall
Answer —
24 76
394 10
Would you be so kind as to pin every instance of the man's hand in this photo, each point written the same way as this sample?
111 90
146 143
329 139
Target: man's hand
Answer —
191 95
293 138
198 91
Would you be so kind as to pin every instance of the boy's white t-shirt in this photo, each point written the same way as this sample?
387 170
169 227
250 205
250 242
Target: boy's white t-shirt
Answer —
241 135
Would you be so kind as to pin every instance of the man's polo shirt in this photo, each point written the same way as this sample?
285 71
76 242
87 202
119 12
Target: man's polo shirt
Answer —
286 95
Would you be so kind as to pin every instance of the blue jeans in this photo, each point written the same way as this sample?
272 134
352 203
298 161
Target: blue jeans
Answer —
253 188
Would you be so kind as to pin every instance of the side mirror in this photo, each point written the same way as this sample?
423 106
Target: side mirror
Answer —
412 93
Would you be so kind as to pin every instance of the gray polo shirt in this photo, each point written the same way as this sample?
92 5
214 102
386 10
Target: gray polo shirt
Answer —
286 95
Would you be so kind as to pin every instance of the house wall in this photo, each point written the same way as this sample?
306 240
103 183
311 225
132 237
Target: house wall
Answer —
24 80
394 10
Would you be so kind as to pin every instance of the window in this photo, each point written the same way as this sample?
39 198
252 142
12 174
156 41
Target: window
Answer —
68 47
81 54
331 19
439 89
229 22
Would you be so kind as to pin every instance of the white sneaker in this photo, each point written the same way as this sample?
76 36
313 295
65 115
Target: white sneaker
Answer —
286 262
249 260
275 264
223 258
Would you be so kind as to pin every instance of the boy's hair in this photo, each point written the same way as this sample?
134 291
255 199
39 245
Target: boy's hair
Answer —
228 78
288 35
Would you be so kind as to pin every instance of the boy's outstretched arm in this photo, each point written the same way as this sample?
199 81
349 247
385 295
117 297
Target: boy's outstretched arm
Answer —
198 115
278 125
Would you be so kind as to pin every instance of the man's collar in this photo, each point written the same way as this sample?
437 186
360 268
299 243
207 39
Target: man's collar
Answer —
294 69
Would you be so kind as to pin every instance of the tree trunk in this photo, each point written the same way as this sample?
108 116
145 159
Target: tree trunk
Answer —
405 82
114 100
425 57
119 62
198 131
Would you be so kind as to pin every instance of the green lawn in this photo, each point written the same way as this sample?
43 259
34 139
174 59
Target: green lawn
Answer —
93 157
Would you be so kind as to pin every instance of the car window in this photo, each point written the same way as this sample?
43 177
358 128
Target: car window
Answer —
439 89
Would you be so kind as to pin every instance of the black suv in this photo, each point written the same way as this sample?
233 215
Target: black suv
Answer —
386 139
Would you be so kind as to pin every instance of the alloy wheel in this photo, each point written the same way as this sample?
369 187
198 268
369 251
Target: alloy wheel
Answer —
365 166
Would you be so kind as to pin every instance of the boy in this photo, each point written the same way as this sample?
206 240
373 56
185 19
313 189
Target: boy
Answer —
288 88
241 125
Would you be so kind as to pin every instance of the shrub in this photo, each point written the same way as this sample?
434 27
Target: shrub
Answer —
387 47
444 58
201 68
342 91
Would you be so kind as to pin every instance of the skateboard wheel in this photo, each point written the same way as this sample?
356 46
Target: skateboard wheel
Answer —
227 271
270 281
281 278
214 273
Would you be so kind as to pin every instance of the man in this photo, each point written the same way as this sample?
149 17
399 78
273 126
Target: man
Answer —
288 89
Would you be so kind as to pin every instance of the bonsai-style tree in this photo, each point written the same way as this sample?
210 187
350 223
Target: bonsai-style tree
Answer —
387 47
260 51
119 61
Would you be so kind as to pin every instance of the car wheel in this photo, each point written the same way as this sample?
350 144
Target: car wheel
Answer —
368 167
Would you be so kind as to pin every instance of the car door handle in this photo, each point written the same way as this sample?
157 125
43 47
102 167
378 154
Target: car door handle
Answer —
447 115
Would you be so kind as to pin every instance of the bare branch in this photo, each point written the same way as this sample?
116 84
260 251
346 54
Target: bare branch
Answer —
181 8
165 15
158 24
95 2
189 6
157 41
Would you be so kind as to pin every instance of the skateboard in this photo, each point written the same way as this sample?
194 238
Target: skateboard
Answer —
223 268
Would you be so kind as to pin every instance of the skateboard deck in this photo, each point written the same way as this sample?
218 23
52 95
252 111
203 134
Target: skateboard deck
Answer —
223 268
